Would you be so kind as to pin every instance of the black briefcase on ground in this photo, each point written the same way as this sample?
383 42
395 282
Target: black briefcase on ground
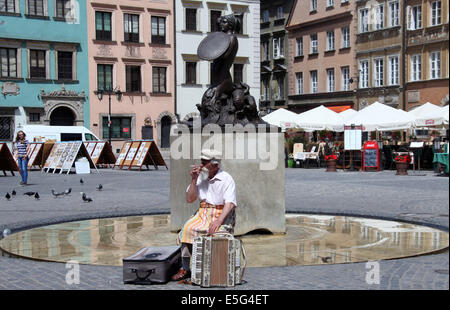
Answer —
152 265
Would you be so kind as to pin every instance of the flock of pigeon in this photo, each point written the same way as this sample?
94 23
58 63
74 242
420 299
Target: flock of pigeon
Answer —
55 194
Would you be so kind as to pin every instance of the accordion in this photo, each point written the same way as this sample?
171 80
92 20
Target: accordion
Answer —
216 261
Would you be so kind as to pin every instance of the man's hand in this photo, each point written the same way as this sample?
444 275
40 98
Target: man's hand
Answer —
214 226
195 172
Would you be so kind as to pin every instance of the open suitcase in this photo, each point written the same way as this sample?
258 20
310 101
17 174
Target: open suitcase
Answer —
152 265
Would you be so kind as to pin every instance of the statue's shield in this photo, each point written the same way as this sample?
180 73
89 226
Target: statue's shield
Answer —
214 46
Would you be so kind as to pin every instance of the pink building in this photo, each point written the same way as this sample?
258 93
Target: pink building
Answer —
131 49
322 55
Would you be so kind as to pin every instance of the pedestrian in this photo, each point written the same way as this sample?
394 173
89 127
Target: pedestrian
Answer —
22 147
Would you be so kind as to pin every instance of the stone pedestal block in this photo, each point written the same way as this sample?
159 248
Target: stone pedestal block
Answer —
256 163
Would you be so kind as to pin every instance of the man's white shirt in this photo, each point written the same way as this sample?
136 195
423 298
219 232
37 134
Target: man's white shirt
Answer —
218 190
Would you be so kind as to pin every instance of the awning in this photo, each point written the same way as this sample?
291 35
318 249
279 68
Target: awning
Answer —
339 109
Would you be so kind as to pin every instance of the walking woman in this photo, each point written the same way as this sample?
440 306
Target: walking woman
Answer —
22 147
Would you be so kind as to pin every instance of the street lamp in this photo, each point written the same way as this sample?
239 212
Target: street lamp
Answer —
108 92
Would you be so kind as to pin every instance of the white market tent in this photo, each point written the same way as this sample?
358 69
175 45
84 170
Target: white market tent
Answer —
347 114
281 117
445 111
428 114
380 117
320 118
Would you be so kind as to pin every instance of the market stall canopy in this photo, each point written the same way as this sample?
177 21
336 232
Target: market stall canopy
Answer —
282 118
428 114
445 111
347 114
380 117
320 118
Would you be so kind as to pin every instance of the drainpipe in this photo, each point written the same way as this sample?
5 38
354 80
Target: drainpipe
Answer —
175 59
404 62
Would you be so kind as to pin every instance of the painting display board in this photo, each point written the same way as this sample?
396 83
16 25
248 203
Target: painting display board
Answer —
100 152
123 153
7 161
63 156
371 155
136 154
35 155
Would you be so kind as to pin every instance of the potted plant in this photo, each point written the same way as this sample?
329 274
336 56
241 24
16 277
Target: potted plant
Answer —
331 161
402 163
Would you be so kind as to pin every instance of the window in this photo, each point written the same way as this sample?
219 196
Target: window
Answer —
345 37
393 70
120 128
280 12
314 82
6 128
265 50
394 11
330 3
8 6
133 77
265 90
345 77
158 30
8 59
37 64
314 44
379 17
299 83
131 27
435 65
238 73
63 8
191 73
363 20
266 16
240 17
378 72
215 15
415 17
103 26
313 7
280 88
416 67
278 47
159 80
330 80
364 74
65 71
104 77
299 46
191 19
435 13
35 117
36 7
330 41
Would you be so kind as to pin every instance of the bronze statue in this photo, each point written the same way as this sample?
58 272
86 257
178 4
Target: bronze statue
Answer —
225 102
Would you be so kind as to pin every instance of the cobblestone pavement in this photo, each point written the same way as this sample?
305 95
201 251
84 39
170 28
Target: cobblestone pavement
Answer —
419 199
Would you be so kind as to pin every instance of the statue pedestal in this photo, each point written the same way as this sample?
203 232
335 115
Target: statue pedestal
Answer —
260 179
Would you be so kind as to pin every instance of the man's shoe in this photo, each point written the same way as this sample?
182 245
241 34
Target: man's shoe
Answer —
181 275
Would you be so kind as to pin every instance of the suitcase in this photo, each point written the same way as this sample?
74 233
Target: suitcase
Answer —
152 265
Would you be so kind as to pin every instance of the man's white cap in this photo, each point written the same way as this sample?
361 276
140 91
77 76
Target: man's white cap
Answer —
208 154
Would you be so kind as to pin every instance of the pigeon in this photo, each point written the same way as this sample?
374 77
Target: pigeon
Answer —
56 194
325 259
99 187
13 192
67 191
29 194
81 181
85 197
8 196
37 196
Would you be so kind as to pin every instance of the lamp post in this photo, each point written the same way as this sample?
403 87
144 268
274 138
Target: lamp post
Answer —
100 94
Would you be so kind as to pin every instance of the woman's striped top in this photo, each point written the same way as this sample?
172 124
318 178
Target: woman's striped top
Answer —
22 148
